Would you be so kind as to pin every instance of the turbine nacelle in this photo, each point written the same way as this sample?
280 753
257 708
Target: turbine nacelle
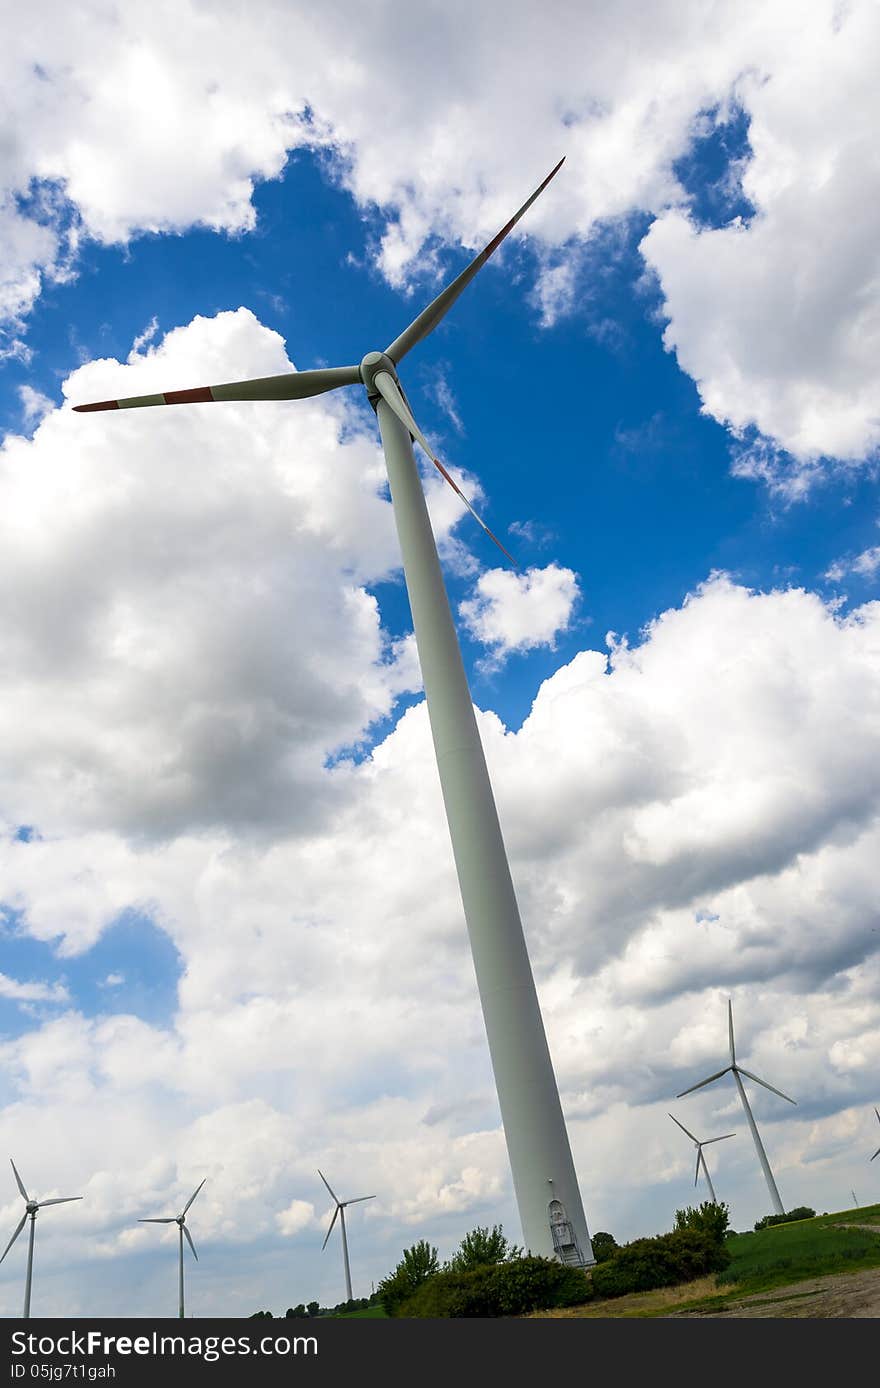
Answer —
370 366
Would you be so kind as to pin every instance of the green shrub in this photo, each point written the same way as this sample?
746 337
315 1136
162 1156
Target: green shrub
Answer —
534 1284
604 1246
452 1294
801 1212
506 1289
415 1267
662 1261
710 1217
481 1247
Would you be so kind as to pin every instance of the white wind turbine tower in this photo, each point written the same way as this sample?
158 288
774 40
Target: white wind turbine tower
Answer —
30 1210
737 1071
701 1160
544 1178
877 1153
340 1210
182 1232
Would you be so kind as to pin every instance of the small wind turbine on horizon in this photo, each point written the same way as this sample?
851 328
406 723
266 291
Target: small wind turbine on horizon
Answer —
877 1153
183 1232
737 1071
528 1095
31 1207
340 1210
701 1160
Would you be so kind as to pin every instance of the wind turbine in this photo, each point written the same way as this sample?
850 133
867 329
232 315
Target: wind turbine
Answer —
183 1232
876 1154
30 1209
534 1126
736 1071
701 1160
340 1210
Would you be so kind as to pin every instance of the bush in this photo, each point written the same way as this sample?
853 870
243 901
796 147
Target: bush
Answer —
713 1219
415 1267
508 1289
534 1284
481 1247
660 1262
452 1294
604 1246
801 1212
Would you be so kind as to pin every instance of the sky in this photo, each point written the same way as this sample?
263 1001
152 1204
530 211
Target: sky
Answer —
232 942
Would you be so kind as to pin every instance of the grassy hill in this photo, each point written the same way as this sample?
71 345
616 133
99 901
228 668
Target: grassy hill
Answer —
761 1262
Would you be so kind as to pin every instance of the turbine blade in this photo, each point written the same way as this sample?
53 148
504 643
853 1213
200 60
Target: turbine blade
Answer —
439 307
292 385
730 1031
63 1200
766 1085
716 1076
716 1139
193 1196
172 1219
878 1115
332 1222
358 1199
188 1237
18 1230
699 1159
876 1154
683 1128
328 1185
390 392
19 1181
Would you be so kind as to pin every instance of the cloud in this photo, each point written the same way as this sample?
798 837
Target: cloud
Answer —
151 565
18 991
774 317
520 611
724 765
34 404
865 565
298 1216
777 317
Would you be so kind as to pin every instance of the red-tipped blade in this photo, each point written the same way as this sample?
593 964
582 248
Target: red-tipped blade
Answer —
292 385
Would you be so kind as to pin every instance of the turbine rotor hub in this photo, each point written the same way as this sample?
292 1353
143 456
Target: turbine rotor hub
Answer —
371 365
32 1207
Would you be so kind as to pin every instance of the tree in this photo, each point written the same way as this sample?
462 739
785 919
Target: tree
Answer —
604 1246
313 1308
299 1310
415 1267
480 1248
709 1218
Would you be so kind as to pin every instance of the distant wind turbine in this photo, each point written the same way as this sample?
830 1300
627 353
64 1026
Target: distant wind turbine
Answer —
877 1153
31 1207
340 1210
183 1232
528 1096
701 1160
736 1071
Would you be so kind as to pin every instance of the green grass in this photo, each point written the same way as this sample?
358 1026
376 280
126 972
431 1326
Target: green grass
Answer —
772 1258
787 1253
371 1313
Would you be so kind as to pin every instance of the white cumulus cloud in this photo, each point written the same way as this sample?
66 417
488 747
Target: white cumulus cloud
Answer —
513 611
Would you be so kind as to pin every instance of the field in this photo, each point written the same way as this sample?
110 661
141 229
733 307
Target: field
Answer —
371 1313
827 1266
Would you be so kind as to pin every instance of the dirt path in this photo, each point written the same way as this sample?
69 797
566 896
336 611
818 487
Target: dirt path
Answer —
854 1295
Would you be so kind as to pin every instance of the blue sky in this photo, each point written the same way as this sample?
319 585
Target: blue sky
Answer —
231 928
